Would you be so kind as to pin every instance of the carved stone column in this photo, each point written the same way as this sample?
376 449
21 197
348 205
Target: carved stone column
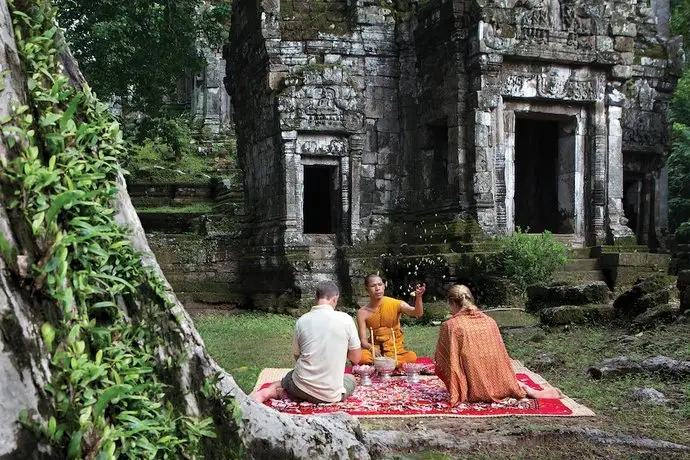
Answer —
356 147
483 103
598 173
617 227
293 189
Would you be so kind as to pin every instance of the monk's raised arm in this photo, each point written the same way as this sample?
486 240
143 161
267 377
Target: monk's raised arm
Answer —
418 309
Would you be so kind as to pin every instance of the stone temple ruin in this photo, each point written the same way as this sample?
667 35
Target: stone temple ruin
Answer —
362 122
357 116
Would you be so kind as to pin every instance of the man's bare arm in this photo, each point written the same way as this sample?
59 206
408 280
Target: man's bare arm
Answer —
355 356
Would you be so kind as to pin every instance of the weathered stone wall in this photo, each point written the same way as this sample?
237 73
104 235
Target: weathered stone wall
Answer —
199 252
253 91
304 19
436 161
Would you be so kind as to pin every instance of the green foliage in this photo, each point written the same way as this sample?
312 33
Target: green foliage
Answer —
680 102
109 394
678 174
680 20
138 50
171 135
527 259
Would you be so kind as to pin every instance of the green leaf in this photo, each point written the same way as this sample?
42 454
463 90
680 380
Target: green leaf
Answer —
52 426
62 200
48 334
37 221
108 395
74 449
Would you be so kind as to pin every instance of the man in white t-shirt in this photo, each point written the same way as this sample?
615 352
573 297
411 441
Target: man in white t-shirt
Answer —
324 339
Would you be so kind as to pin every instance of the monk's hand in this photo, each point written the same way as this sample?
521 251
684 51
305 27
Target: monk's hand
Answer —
366 346
420 289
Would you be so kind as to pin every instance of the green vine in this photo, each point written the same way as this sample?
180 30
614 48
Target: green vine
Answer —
108 394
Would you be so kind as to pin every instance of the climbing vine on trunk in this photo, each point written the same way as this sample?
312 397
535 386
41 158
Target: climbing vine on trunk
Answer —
107 389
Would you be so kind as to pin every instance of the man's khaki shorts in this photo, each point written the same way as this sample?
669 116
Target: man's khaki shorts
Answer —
295 393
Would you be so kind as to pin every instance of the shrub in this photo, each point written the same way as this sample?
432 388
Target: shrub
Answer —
683 232
527 259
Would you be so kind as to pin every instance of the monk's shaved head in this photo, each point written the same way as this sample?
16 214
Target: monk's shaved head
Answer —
370 277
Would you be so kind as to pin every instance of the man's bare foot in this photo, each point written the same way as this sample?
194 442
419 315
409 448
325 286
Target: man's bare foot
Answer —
273 391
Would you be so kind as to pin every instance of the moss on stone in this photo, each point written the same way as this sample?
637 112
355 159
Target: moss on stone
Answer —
304 20
577 314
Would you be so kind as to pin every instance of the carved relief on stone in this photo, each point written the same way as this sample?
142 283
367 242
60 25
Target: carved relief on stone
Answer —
552 83
646 130
322 144
520 85
318 100
538 19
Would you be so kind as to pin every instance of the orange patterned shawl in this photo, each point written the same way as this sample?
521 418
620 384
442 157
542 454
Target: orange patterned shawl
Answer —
472 360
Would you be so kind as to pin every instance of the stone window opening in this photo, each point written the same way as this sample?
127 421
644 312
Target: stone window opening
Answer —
320 197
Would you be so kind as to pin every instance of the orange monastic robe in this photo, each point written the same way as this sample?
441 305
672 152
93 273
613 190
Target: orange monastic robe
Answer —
472 360
386 324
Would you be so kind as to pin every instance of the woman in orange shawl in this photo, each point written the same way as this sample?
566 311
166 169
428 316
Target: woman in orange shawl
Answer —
471 358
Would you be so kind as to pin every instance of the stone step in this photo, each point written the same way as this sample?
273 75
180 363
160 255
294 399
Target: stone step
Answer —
577 265
609 249
579 253
571 240
636 259
578 277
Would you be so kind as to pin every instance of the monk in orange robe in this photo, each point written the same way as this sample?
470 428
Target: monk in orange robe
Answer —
382 316
472 360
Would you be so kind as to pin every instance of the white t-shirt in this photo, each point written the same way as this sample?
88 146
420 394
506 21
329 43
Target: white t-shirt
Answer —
322 339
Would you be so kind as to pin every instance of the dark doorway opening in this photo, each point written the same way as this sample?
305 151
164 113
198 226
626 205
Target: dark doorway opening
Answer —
632 201
319 199
536 175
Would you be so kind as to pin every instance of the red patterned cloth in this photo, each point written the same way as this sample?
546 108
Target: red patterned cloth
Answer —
397 397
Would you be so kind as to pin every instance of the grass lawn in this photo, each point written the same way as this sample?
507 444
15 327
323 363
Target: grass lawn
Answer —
244 344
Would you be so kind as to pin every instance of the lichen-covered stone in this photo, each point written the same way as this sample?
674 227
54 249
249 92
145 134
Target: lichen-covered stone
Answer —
576 314
614 367
649 395
541 296
647 293
664 313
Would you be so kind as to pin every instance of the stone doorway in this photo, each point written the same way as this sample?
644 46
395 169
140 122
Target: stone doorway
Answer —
536 184
544 168
320 199
633 200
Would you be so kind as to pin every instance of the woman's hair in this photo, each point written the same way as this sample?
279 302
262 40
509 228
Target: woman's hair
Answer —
462 296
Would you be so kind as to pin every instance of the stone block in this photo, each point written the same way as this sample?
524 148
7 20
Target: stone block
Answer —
604 43
614 367
577 314
623 28
622 71
664 313
540 296
645 294
625 44
635 259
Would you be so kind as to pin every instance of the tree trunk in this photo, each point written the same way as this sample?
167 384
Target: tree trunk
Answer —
24 360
